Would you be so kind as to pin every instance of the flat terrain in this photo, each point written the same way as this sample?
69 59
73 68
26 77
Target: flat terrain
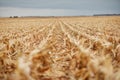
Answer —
67 48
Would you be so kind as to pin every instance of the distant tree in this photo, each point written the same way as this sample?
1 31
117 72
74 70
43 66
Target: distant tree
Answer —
10 16
15 16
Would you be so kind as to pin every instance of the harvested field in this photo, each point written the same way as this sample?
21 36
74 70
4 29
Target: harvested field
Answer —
67 48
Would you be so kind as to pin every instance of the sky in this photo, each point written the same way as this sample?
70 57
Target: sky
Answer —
58 7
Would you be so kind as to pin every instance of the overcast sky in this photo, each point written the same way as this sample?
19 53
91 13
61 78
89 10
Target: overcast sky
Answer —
58 7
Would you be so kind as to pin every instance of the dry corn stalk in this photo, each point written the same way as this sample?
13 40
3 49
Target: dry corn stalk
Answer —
60 49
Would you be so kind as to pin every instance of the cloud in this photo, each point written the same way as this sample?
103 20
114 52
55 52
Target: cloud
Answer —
11 11
57 7
63 4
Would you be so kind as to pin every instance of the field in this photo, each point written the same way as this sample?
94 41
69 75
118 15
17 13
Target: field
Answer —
64 48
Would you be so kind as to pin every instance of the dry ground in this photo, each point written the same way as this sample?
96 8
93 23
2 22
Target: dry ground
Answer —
75 48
